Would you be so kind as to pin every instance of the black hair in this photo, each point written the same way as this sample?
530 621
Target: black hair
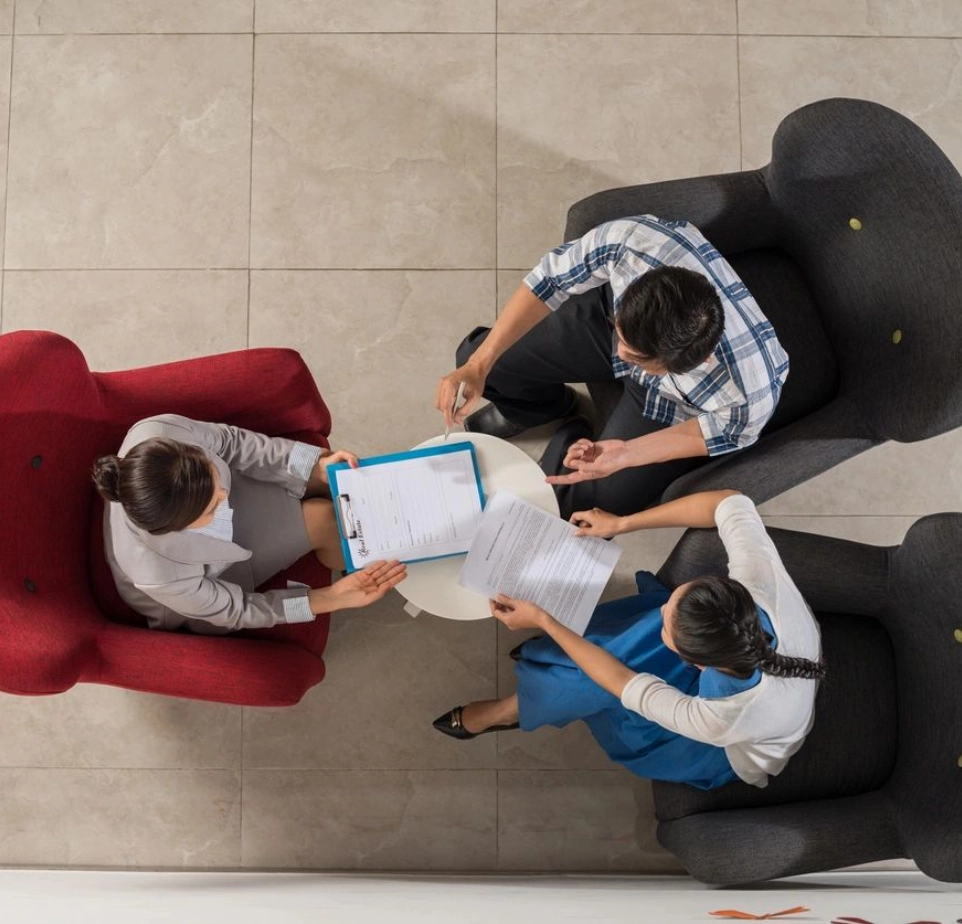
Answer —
715 624
162 485
672 315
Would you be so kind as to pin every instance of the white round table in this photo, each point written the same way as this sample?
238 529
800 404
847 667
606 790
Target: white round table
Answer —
432 586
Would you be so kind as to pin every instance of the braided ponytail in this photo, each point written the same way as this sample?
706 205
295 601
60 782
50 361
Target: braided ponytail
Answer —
771 662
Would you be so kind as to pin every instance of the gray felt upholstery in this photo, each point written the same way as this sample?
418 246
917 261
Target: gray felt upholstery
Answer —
879 776
836 296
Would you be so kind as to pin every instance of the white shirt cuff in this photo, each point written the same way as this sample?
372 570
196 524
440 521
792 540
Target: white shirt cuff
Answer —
302 460
297 609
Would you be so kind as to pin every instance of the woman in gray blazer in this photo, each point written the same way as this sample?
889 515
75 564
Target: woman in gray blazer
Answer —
201 514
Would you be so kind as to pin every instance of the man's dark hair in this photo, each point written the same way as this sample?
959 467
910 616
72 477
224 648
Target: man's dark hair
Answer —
163 485
716 624
672 315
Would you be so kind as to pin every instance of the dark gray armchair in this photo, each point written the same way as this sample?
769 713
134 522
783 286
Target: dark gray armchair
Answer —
880 774
851 242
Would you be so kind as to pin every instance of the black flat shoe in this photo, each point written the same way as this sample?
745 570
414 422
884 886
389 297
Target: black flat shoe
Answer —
450 724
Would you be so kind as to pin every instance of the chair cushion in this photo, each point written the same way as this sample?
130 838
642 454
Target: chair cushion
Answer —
779 287
851 748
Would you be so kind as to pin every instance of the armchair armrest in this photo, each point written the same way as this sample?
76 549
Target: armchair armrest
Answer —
245 672
833 575
785 458
750 845
733 210
269 390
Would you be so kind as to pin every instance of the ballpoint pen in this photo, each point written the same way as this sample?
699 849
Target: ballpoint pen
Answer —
457 403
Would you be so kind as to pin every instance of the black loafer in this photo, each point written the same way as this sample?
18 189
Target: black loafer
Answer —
491 421
450 724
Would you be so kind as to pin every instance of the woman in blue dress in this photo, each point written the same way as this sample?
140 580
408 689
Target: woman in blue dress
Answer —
711 682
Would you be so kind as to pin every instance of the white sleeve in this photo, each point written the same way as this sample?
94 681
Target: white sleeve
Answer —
711 721
753 559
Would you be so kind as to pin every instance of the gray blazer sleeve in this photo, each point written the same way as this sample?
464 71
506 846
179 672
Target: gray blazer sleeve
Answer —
266 458
211 605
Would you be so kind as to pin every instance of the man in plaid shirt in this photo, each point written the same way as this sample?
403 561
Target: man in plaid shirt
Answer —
648 301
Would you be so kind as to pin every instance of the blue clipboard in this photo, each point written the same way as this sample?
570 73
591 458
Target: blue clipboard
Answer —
342 505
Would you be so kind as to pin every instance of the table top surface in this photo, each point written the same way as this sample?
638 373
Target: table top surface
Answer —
432 586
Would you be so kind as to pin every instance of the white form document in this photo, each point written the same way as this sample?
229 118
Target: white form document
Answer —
411 506
521 551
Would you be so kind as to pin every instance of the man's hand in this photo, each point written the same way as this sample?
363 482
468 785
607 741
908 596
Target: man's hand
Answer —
367 586
518 614
329 458
593 460
473 379
597 522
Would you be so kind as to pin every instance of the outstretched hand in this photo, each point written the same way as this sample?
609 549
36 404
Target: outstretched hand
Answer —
590 460
517 614
367 586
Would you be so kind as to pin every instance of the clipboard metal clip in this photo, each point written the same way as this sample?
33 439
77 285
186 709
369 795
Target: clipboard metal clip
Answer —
348 524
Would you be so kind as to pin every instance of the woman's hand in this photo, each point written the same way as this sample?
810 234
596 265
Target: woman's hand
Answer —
518 614
329 457
367 586
473 379
591 460
596 522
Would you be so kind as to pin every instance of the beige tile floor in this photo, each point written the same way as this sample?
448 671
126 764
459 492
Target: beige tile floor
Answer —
365 182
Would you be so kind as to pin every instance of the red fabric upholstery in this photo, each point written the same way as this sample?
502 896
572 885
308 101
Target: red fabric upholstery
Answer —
56 592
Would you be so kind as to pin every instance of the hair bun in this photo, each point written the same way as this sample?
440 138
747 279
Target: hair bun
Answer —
106 474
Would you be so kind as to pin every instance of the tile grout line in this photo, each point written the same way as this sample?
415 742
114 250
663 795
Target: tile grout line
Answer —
6 169
738 84
250 177
581 32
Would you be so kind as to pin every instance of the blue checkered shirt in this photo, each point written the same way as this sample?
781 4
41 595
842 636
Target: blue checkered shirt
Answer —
734 392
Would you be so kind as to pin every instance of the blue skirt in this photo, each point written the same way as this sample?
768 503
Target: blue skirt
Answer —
553 690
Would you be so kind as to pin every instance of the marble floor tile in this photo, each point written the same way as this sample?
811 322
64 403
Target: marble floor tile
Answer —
97 726
427 820
850 17
373 151
120 818
388 677
589 16
920 78
129 151
894 479
6 17
183 16
377 16
557 820
377 343
579 114
125 319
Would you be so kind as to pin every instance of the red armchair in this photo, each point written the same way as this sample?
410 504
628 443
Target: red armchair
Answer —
61 619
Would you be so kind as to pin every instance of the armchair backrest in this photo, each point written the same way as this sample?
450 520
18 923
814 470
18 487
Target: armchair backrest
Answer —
52 422
872 211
